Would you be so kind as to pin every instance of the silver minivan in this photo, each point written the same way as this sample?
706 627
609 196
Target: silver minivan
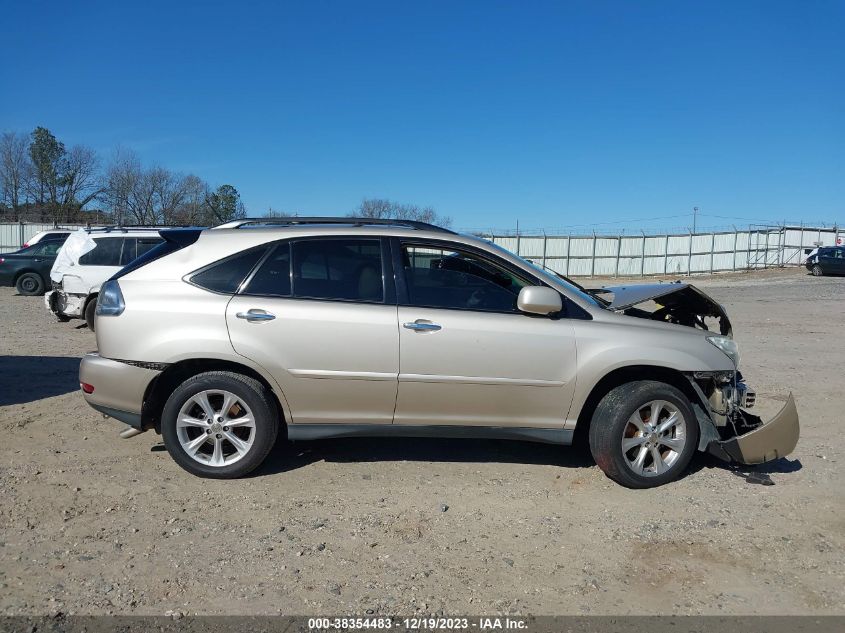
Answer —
222 339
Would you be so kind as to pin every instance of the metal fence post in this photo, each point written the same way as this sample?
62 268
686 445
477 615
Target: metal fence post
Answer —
618 250
736 237
712 248
642 258
568 250
21 234
748 250
689 257
545 245
593 259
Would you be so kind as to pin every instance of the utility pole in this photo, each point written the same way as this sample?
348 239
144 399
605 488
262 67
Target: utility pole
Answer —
694 218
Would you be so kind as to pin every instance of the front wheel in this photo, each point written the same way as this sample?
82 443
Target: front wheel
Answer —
817 270
220 425
643 434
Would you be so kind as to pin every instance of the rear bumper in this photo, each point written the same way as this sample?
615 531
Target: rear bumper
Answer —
119 387
772 440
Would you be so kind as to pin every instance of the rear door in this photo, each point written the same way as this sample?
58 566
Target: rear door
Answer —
827 260
99 264
838 261
320 317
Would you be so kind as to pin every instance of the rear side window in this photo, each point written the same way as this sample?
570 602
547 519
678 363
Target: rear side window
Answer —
128 251
345 269
135 247
227 275
272 279
47 249
106 253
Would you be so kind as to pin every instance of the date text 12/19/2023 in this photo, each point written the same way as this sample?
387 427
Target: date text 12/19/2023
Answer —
482 623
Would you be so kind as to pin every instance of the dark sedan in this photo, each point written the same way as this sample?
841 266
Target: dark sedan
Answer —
28 269
828 260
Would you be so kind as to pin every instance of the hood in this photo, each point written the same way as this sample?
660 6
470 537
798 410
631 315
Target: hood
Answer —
77 244
678 303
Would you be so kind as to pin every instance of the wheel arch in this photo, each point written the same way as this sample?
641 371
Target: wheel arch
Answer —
92 296
24 271
159 389
631 373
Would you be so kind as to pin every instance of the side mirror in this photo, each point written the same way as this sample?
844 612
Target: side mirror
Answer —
539 300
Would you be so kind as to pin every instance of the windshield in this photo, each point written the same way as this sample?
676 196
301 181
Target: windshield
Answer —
556 278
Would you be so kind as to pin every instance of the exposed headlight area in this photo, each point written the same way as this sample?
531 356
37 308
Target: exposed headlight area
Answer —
728 347
110 300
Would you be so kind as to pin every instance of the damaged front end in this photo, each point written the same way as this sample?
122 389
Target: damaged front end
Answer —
730 432
678 302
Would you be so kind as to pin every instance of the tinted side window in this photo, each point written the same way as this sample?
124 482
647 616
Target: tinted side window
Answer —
347 269
146 244
128 251
443 278
48 249
106 253
273 277
227 275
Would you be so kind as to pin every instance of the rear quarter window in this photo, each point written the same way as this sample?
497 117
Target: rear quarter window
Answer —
226 275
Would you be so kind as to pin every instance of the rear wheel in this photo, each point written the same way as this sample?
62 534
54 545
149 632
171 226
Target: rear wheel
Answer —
30 284
817 270
91 312
220 425
643 434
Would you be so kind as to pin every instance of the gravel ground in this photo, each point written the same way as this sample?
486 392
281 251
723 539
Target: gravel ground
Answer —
93 524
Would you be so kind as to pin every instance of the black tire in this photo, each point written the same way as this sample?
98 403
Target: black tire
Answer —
30 285
817 270
255 395
91 312
610 425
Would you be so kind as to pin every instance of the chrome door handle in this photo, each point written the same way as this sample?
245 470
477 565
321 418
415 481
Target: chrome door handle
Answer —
254 315
422 327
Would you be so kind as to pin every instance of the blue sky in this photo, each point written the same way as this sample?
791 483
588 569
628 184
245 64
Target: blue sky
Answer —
559 114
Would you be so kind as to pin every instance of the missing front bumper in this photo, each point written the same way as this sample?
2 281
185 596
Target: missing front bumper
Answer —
772 440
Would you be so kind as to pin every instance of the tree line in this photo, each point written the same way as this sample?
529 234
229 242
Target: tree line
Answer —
42 180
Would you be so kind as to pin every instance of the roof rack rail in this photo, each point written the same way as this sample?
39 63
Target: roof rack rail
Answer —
123 228
354 221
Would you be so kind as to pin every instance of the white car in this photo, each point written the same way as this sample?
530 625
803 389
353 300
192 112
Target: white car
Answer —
53 234
87 259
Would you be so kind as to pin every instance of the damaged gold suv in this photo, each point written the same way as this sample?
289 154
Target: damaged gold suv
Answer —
222 339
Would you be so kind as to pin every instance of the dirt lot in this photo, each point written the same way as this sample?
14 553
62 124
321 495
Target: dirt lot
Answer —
95 524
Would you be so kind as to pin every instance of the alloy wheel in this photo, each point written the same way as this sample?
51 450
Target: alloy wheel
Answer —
215 428
654 438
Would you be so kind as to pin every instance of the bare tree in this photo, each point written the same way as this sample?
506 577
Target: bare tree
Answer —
15 170
120 184
79 179
382 208
195 191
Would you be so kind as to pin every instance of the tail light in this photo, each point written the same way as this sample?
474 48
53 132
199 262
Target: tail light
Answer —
86 387
25 244
110 299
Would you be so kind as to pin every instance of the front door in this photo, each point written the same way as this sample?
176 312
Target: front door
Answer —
467 355
316 314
